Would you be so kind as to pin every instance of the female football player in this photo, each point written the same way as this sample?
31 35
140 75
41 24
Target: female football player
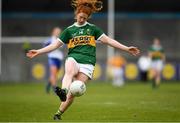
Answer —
156 53
81 42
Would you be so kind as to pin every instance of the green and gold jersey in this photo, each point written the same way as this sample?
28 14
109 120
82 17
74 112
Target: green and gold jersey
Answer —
157 52
81 42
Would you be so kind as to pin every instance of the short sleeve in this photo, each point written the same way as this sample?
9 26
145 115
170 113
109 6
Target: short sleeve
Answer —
64 37
98 33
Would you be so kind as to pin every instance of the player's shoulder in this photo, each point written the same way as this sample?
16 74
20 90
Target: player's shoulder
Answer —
94 26
90 24
68 29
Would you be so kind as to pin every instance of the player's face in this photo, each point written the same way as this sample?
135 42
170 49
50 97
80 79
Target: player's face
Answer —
81 18
156 42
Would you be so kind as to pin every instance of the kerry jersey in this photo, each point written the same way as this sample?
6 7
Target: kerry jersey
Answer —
81 42
157 52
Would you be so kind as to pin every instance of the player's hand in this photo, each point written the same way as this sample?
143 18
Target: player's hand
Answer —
133 50
32 53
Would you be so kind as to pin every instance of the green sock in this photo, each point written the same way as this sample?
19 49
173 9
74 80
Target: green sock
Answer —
59 112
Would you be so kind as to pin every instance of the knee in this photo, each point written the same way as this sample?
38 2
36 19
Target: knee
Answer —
69 71
70 68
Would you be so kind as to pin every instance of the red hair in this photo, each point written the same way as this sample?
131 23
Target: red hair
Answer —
87 6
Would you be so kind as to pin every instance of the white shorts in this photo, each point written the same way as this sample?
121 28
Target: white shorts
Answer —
157 65
87 69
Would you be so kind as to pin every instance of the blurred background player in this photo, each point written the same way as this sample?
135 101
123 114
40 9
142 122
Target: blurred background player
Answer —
144 64
54 60
156 53
116 64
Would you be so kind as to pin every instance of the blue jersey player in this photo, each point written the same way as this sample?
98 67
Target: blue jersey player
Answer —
54 60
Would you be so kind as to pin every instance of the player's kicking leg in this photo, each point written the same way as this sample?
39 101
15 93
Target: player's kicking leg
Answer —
71 69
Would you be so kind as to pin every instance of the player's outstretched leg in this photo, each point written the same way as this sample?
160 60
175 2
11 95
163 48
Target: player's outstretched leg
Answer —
71 69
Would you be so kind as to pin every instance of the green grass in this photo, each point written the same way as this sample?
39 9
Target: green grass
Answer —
101 102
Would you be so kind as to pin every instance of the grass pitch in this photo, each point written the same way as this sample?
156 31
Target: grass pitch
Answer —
101 103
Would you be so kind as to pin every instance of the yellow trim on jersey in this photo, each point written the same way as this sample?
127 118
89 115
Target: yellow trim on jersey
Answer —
82 40
157 54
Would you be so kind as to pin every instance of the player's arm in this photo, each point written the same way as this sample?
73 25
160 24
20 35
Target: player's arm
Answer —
49 48
109 41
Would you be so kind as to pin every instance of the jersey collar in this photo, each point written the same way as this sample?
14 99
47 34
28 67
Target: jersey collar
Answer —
76 24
